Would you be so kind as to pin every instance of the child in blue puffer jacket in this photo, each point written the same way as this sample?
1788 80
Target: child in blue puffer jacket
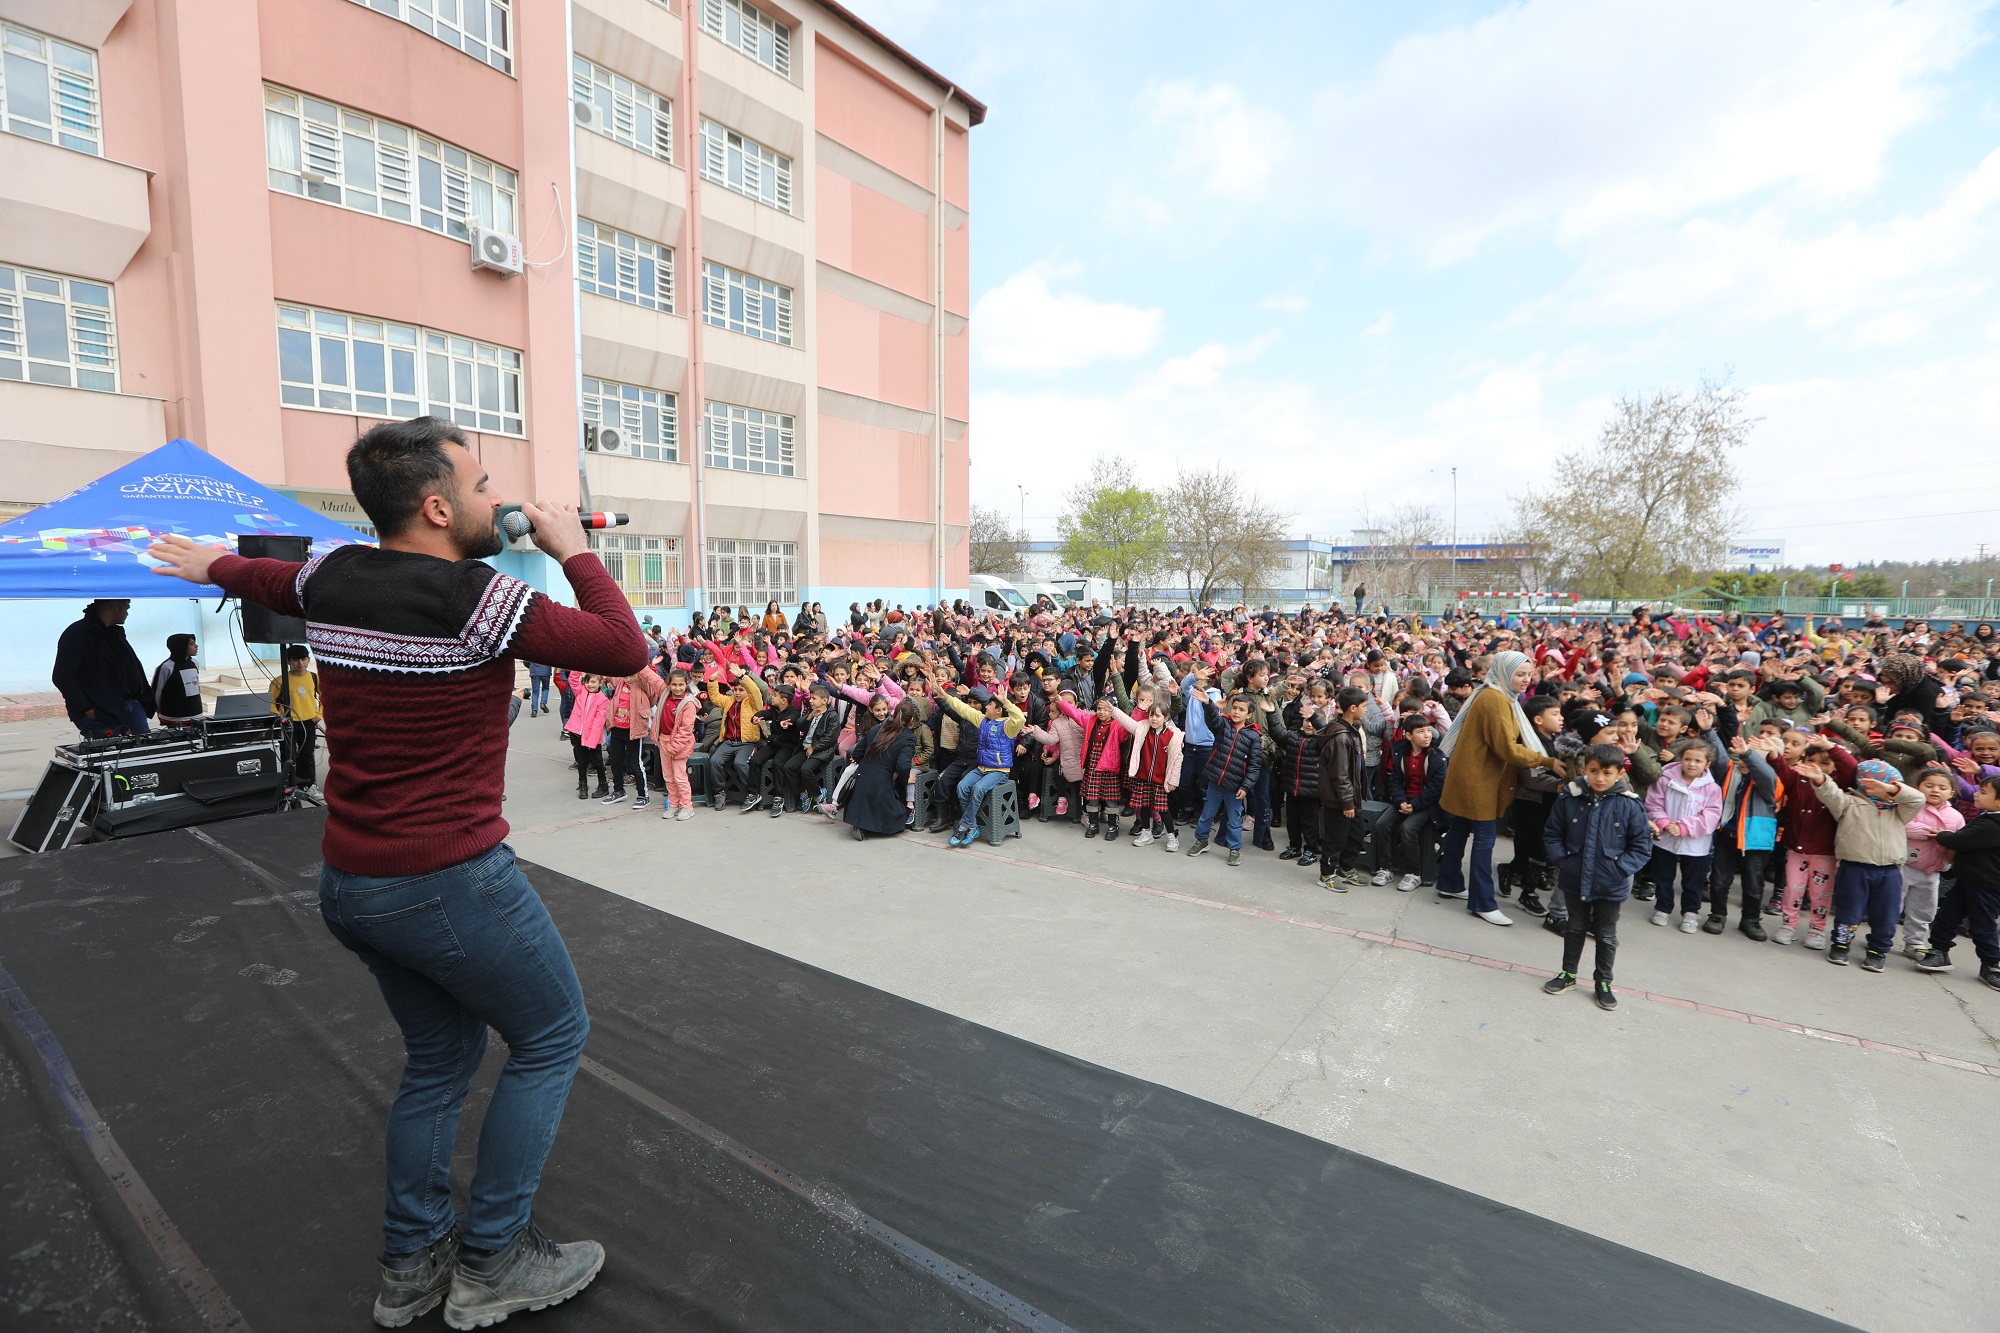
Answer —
1597 836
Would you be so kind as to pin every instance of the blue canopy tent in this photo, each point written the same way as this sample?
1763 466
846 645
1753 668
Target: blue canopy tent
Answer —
92 542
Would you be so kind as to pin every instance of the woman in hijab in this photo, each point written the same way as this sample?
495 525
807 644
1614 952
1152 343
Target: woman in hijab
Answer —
1914 689
1490 742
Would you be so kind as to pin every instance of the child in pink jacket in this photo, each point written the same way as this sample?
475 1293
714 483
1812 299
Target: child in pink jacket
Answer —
1927 859
585 730
673 731
1683 807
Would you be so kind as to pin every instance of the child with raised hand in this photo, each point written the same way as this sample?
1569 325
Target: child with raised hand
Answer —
1233 765
1682 810
585 729
1972 904
1597 836
998 721
1871 846
1928 858
1102 760
1807 833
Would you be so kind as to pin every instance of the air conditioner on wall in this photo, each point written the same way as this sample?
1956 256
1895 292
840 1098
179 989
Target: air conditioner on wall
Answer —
586 113
605 440
496 250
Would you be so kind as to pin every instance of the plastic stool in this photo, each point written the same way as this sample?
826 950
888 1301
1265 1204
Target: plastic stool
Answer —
1001 818
698 777
926 782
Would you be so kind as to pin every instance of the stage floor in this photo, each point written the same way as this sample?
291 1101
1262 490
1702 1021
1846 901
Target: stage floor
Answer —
758 1143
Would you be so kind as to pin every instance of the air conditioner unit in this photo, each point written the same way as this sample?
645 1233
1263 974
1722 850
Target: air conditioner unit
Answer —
611 440
496 250
586 113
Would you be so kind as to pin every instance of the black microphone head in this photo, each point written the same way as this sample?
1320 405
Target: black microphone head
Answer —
516 524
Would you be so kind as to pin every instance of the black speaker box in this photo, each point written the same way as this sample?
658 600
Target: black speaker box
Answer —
260 624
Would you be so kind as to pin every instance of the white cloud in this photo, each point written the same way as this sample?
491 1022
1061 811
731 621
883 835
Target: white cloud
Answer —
1381 326
1900 274
1025 326
1230 148
1592 116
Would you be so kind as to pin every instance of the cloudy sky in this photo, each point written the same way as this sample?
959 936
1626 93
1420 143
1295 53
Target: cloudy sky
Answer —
1349 246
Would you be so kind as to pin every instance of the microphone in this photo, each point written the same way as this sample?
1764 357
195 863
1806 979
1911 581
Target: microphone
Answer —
518 525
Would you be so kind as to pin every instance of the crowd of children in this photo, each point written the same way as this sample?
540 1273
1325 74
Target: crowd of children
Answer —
1830 776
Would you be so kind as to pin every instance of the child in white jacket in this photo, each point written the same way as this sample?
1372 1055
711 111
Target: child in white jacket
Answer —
1683 808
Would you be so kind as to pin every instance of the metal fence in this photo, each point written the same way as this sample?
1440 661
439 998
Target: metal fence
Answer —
1937 610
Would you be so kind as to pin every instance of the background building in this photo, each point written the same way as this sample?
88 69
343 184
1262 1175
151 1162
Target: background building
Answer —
1312 571
253 223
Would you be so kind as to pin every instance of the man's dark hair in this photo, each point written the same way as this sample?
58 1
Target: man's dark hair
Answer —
1349 696
1604 756
394 466
177 644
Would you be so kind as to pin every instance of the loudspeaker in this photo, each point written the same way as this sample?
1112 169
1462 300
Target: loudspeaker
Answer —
260 624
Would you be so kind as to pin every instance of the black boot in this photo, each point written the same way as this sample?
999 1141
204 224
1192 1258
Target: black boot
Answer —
1503 880
582 787
1111 829
603 788
1090 827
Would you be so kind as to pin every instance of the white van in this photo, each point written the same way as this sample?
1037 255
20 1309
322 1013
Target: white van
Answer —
993 593
1082 592
1035 591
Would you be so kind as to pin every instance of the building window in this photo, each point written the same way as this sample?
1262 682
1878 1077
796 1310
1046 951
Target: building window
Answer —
745 166
751 31
620 109
648 420
752 573
325 152
646 569
744 439
370 367
742 303
57 330
483 29
624 267
48 90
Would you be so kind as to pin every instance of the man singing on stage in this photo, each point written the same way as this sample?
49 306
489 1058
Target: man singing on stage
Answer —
416 644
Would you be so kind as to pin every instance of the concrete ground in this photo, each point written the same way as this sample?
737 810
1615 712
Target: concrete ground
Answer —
1818 1134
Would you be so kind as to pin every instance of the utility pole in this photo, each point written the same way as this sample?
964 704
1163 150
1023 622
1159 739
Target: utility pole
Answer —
1454 530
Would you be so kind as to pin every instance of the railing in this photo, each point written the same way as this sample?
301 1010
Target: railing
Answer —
1937 610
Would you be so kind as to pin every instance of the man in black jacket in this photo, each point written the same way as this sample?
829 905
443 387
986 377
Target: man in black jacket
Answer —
102 683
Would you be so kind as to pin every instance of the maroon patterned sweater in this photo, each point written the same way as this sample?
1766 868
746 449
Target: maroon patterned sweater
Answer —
416 659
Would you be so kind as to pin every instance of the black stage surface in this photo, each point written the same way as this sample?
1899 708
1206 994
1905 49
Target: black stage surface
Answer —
759 1145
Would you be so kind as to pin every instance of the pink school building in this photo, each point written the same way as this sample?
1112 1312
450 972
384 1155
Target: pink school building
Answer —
724 284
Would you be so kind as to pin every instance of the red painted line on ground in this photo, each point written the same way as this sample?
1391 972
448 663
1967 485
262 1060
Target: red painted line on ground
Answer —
1439 951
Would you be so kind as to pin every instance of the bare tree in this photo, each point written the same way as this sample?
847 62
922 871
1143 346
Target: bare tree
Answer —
1410 552
1651 503
997 547
1220 534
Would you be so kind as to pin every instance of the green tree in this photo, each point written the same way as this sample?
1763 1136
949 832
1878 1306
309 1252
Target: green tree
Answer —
1113 528
1650 503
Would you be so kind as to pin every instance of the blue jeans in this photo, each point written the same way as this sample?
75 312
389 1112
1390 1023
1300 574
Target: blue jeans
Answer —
1260 808
1231 832
455 951
1873 893
972 789
130 721
538 693
1693 873
1451 862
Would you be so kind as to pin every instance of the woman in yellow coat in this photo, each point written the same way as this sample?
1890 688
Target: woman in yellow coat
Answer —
1489 743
